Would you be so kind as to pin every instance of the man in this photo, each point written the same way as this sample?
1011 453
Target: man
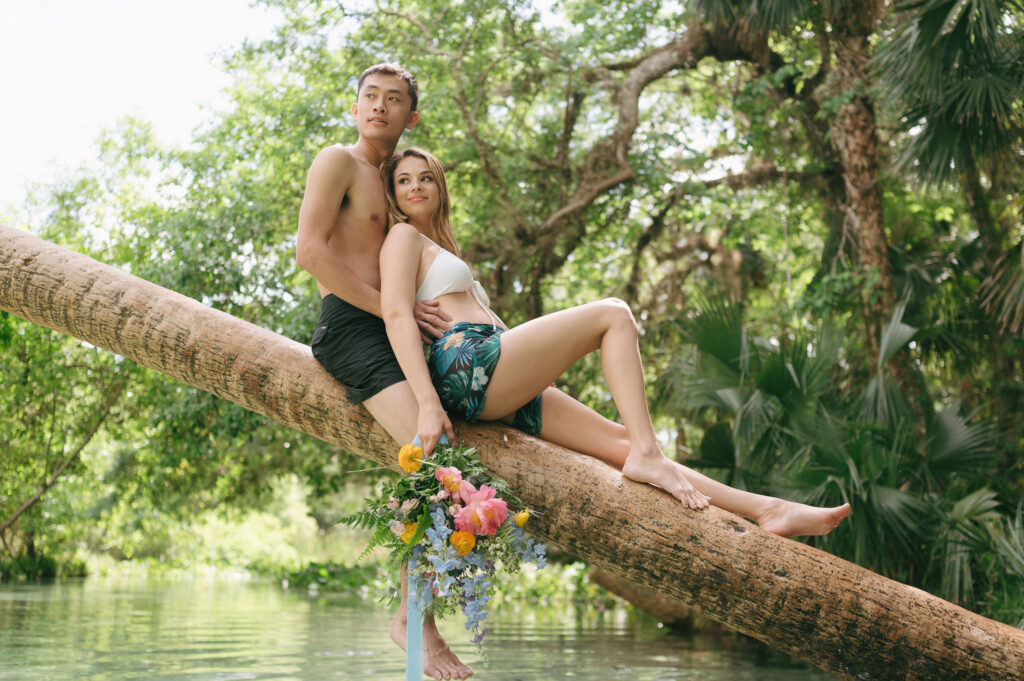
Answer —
341 230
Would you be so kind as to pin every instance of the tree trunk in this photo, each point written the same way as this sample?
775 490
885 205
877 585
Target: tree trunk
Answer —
855 135
802 601
669 612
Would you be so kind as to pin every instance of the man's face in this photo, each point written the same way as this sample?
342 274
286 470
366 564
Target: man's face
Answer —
382 108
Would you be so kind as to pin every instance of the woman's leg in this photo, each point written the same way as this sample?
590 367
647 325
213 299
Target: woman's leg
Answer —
569 423
539 351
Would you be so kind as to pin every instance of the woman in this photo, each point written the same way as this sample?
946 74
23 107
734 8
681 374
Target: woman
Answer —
480 370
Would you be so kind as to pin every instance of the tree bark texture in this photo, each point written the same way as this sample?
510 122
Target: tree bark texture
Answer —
840 617
855 136
666 610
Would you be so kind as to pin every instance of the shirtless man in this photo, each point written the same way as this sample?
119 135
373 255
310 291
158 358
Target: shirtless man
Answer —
341 230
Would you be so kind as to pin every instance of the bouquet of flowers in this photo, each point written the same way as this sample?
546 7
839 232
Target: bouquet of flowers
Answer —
455 525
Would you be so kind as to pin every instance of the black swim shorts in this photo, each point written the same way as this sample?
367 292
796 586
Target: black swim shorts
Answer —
353 346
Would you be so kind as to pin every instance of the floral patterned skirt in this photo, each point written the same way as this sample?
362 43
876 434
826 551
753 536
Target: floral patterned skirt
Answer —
461 363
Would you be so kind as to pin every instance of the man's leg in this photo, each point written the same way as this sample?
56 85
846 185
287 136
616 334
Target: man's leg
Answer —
395 408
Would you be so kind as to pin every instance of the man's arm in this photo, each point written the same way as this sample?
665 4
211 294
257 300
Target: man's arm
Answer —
330 177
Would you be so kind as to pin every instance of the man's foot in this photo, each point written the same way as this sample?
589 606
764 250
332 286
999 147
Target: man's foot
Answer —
655 469
790 519
439 661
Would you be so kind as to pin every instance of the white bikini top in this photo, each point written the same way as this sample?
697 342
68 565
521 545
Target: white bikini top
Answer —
450 274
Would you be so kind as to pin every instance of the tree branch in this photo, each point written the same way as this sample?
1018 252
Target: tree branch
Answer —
755 176
607 165
111 396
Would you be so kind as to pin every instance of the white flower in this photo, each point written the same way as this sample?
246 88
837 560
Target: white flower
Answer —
479 378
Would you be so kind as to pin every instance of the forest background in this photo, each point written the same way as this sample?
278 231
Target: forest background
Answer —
813 209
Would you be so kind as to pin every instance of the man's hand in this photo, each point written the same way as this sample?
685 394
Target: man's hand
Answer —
431 319
431 424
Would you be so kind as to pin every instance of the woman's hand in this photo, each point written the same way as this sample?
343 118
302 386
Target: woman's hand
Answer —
431 320
431 424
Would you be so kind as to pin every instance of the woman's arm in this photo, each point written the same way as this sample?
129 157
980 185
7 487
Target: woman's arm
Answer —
399 265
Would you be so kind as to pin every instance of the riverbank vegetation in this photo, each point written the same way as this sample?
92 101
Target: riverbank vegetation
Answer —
813 208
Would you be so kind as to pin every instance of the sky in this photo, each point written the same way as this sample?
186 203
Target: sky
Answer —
71 68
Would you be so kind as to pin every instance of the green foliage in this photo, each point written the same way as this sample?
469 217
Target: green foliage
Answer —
785 418
319 576
27 567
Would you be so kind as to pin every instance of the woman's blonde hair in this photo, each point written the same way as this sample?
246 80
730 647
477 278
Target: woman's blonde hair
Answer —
439 221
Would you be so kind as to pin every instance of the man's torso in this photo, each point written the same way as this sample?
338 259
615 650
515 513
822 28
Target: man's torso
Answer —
359 231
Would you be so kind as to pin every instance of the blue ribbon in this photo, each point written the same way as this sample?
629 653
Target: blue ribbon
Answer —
414 617
413 632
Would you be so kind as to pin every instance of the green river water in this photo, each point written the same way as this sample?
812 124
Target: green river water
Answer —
107 629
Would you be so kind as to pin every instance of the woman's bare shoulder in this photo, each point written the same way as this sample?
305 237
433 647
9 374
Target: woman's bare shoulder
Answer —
402 232
403 241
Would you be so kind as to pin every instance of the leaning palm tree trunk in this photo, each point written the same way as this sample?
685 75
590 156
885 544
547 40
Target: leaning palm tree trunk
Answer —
802 601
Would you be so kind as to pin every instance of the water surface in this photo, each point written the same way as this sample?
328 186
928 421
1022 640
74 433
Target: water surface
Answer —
110 629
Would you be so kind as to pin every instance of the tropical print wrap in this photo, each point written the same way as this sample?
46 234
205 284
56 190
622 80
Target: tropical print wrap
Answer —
461 363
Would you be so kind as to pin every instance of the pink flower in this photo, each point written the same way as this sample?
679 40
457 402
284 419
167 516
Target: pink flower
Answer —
454 509
443 494
466 490
410 504
453 484
450 477
392 503
433 498
483 513
397 526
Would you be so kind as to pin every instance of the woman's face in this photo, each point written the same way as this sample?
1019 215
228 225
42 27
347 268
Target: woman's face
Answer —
416 191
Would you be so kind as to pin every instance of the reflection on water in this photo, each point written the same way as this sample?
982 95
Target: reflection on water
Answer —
107 629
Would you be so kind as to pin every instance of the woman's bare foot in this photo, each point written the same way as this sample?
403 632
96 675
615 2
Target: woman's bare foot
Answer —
790 519
654 468
439 661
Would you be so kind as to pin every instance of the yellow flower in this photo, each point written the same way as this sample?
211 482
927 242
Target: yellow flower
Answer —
522 517
409 458
463 542
410 530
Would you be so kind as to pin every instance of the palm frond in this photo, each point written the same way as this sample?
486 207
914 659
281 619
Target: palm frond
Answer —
895 335
692 385
718 12
717 331
756 415
1002 292
954 445
775 15
717 449
882 403
966 536
898 515
955 72
1009 541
